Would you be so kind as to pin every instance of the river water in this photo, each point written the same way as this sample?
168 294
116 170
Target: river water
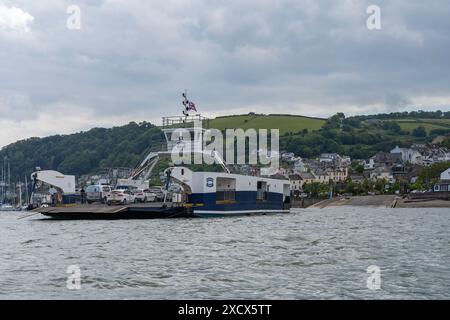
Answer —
310 254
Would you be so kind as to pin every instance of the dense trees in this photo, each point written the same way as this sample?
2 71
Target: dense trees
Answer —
419 132
84 152
359 137
408 115
351 136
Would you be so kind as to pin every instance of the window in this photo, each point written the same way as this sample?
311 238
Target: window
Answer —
91 189
261 191
226 189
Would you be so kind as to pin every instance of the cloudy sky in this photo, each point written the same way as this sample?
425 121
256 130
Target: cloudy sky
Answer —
131 60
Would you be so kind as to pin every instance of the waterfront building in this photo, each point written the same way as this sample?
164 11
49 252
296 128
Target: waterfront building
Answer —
296 182
408 154
444 184
382 172
321 176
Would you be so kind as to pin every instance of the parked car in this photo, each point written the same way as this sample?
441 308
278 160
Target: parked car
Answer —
144 195
122 187
159 193
120 196
97 193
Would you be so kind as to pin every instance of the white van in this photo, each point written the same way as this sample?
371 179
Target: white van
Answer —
98 193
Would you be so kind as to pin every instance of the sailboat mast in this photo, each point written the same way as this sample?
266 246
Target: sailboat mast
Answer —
26 191
4 180
19 185
1 186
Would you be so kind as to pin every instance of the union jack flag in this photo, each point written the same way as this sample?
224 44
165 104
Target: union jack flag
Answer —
191 106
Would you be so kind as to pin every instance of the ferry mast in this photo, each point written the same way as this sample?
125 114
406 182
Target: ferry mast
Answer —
189 116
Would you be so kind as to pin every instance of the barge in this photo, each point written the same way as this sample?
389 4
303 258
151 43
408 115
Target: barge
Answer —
104 212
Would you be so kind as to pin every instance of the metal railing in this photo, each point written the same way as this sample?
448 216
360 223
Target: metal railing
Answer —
183 121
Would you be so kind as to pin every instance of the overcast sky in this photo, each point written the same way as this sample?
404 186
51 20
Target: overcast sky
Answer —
131 60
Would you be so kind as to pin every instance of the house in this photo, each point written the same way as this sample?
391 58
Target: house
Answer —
387 159
296 182
287 156
300 166
337 174
408 154
382 172
346 161
328 157
369 164
444 184
432 153
321 176
445 175
335 159
307 177
423 154
356 178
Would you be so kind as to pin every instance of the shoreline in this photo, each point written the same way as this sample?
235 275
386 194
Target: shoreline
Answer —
381 201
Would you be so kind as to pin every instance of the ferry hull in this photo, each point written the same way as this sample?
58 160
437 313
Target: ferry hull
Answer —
245 203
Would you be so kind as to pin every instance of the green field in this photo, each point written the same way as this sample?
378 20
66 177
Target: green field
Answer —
286 123
428 124
295 124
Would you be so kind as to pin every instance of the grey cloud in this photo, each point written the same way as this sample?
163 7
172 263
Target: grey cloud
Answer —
134 57
396 102
16 106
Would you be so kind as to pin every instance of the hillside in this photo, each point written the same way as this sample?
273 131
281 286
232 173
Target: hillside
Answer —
84 152
286 123
125 146
294 124
428 124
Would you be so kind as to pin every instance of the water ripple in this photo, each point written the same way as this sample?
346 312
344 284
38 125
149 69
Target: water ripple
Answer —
312 254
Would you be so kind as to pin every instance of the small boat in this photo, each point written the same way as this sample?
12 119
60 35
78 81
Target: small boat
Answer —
7 207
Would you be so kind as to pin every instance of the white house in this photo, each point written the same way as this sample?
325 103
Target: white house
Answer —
288 156
444 184
445 175
300 166
411 155
369 164
328 157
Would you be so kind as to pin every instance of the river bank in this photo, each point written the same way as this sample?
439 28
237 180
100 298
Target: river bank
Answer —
382 201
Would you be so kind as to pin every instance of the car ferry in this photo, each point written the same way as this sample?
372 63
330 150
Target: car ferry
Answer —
212 194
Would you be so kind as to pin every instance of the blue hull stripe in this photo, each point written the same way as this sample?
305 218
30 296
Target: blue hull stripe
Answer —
244 201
